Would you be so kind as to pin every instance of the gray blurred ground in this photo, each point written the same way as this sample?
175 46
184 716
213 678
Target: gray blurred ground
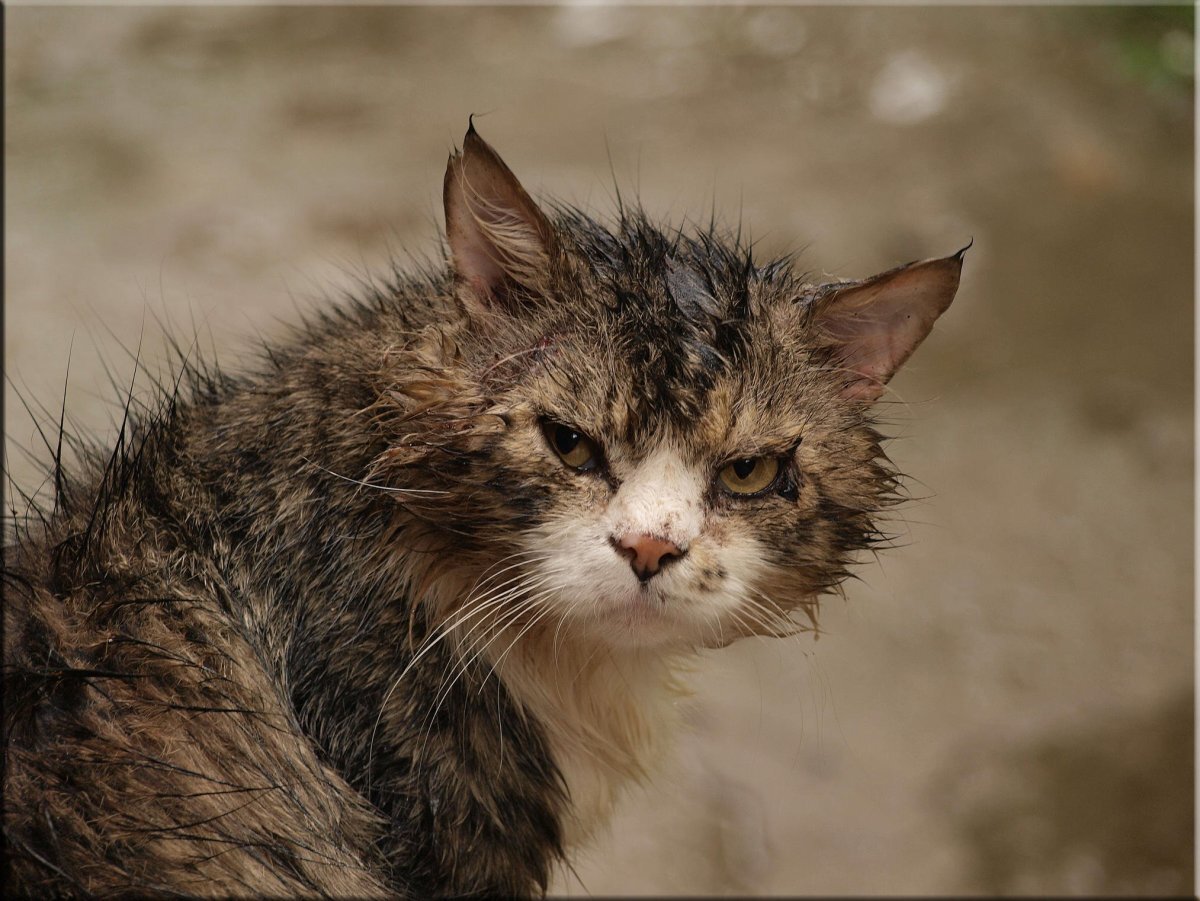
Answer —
1005 704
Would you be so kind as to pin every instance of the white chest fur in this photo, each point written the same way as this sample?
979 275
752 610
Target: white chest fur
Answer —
609 716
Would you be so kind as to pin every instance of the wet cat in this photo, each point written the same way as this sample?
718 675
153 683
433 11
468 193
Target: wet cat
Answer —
399 611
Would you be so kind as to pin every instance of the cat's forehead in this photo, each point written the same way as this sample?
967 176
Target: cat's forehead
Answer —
642 374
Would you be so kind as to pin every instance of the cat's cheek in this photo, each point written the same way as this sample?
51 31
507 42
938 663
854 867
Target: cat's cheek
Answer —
724 588
577 564
805 558
772 557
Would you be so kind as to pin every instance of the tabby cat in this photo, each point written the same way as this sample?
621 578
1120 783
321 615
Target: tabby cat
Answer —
397 610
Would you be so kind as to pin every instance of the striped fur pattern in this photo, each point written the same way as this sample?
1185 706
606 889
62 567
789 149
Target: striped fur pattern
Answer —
345 624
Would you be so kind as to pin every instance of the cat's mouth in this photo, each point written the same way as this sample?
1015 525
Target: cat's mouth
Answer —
644 616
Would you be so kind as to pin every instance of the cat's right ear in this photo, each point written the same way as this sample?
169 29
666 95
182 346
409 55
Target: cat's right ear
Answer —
499 239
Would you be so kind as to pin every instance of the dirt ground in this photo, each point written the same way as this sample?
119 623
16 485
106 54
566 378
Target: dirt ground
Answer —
1004 704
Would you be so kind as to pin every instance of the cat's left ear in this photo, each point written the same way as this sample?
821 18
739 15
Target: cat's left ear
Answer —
499 239
873 326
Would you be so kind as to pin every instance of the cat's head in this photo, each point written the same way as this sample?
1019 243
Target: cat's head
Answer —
677 448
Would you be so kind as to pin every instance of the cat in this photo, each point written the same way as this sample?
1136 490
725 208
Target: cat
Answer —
400 609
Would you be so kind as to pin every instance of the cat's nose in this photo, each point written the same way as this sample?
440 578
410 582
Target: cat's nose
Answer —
646 553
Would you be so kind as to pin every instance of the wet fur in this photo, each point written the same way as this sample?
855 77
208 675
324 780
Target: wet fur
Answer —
243 651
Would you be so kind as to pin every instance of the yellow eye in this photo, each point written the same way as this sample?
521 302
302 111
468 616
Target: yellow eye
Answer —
575 449
750 475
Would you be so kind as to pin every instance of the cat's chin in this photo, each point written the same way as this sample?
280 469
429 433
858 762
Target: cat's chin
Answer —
638 621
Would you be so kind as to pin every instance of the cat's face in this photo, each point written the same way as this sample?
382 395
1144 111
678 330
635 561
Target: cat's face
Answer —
685 455
682 478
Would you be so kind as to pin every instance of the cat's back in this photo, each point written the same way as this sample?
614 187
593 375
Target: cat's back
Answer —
148 747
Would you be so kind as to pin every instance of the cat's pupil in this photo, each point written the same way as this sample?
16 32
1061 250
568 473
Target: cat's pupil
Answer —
565 439
743 468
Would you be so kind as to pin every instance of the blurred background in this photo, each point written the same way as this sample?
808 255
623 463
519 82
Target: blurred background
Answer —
1002 705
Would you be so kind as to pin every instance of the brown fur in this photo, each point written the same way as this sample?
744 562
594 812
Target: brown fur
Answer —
290 636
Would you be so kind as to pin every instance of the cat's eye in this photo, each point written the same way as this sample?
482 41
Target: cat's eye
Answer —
573 447
750 475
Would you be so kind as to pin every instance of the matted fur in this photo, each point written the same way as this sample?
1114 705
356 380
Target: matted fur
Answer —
308 630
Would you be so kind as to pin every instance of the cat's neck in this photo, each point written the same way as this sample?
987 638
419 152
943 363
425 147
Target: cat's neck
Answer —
608 714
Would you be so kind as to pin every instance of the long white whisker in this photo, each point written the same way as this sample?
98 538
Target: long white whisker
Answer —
470 608
386 488
487 575
466 658
474 610
460 669
774 619
545 611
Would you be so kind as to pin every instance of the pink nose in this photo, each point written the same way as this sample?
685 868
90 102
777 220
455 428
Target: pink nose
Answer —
646 554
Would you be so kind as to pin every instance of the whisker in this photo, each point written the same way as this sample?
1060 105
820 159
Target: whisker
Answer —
467 658
386 488
466 613
545 611
461 667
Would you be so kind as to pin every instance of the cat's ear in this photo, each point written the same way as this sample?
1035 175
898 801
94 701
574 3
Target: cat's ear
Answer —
873 326
499 239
